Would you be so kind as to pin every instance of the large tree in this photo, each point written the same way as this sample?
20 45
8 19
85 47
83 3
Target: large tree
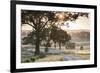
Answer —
38 21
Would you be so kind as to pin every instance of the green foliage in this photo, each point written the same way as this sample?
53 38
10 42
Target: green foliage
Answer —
81 48
42 56
27 61
32 59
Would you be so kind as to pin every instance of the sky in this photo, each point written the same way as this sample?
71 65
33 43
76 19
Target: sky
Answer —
82 23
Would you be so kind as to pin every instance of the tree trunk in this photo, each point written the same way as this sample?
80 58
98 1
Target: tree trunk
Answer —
46 49
37 46
59 46
55 45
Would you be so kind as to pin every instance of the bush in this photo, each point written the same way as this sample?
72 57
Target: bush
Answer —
33 59
81 48
42 56
27 61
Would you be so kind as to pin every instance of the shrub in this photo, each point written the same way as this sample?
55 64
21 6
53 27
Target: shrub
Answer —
27 61
42 56
32 59
81 48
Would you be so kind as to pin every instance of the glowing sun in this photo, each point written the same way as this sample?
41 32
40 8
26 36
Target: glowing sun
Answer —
60 16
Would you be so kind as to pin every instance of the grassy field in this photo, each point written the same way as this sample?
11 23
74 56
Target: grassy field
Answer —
83 54
55 55
50 58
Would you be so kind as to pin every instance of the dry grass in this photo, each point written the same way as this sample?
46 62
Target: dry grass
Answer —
69 51
83 54
51 58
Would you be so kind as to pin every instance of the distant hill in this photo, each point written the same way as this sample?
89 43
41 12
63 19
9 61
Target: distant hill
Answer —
76 35
79 35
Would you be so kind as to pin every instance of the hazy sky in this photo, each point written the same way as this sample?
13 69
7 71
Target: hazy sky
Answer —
80 23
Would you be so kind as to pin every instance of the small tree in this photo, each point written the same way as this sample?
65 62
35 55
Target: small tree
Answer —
59 36
63 37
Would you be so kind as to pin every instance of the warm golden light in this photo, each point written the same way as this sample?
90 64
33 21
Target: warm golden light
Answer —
60 16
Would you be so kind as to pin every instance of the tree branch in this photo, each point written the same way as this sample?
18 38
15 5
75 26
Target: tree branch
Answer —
31 25
44 25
